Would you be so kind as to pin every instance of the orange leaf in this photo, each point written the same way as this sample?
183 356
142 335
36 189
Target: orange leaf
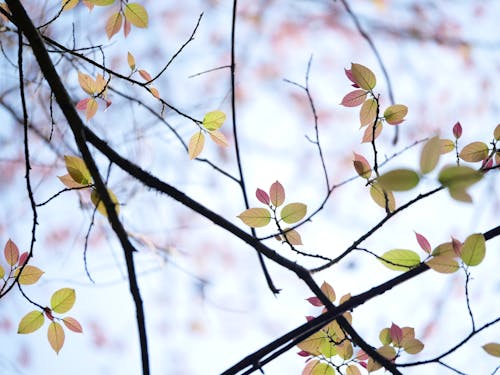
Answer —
196 144
72 324
114 24
55 334
91 110
11 253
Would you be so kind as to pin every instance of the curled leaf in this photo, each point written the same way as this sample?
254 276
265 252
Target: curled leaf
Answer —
457 130
362 166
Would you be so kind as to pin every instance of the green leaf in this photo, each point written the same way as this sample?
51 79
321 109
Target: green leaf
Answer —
363 76
385 336
399 180
94 197
315 367
377 194
473 152
400 259
443 264
430 155
63 300
473 249
196 144
459 176
368 112
214 120
55 335
492 348
30 275
395 114
293 212
255 217
136 15
101 3
11 253
412 346
78 170
2 272
31 322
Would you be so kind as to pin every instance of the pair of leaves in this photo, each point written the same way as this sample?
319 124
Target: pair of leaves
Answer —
61 302
260 217
132 14
458 178
94 88
211 123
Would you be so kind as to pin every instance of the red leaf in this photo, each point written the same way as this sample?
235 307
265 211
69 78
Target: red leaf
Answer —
396 334
354 98
48 313
315 301
82 104
303 353
424 244
309 318
457 246
262 196
23 258
457 130
348 73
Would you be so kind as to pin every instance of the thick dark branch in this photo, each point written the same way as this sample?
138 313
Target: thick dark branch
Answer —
25 25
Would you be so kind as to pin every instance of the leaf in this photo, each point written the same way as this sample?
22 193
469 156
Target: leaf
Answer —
68 181
473 152
445 146
328 290
344 350
352 370
459 176
126 28
155 92
293 212
457 130
443 264
362 166
386 351
55 334
444 249
91 110
94 197
396 334
368 135
424 244
262 196
399 180
30 275
101 3
395 114
113 24
354 98
255 217
385 336
131 61
316 367
82 104
492 348
23 258
315 301
460 194
293 237
214 120
496 132
412 346
77 169
11 253
2 272
72 324
377 194
86 83
363 76
313 342
145 75
136 15
430 155
277 194
219 138
473 249
196 144
69 4
62 300
400 259
368 112
31 322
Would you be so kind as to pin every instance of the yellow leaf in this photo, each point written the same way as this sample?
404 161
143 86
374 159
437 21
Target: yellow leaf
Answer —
446 145
412 346
352 370
91 108
55 334
363 76
219 138
100 85
473 249
31 322
293 212
2 272
395 114
316 367
94 197
214 120
400 259
86 83
131 61
328 290
69 4
496 132
69 182
492 348
368 112
383 200
368 135
101 2
399 180
114 24
255 217
430 155
77 169
293 237
443 264
473 152
136 15
154 92
62 300
30 275
458 176
196 144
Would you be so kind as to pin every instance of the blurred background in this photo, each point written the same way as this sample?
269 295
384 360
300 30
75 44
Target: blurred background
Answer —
206 300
